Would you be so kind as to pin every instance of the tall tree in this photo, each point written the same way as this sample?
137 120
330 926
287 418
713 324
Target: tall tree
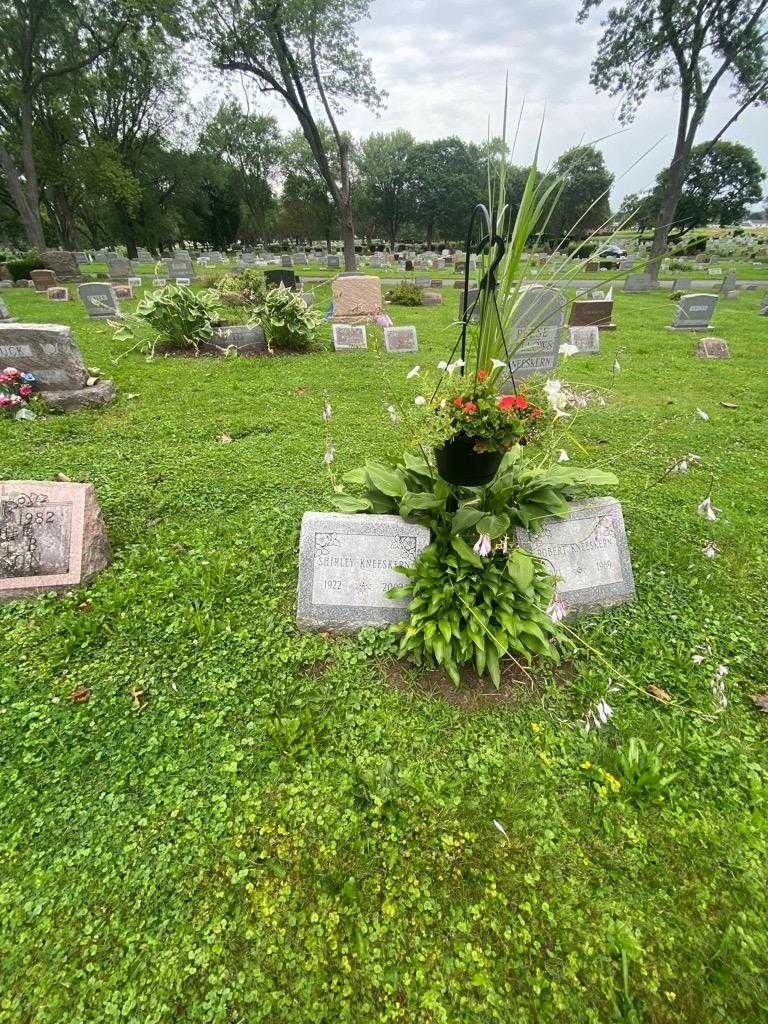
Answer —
722 180
386 179
583 206
44 45
303 51
250 143
449 179
690 46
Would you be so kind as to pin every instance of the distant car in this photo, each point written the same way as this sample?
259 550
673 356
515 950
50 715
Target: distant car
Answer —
613 250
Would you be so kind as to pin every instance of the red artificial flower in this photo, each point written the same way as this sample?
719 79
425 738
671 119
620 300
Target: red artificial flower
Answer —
470 407
458 403
25 390
535 412
507 402
482 374
520 402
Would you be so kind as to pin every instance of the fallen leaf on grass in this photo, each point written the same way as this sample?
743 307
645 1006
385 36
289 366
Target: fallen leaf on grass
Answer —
85 606
729 405
132 394
224 439
80 693
301 391
63 478
91 381
658 693
136 695
760 700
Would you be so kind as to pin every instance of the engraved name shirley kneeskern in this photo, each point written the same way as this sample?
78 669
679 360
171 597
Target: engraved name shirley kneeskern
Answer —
347 565
589 552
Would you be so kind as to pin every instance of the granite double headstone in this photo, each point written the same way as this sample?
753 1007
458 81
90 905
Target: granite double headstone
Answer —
694 312
536 329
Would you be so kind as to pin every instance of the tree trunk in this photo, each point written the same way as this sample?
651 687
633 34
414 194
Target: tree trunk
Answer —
430 232
328 248
348 235
677 171
29 213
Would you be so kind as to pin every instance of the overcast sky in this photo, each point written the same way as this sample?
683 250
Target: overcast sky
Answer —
443 64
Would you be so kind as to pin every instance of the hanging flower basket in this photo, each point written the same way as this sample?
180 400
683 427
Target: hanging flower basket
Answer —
458 463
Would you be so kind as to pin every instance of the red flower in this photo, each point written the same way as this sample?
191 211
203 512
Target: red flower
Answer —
25 390
470 407
458 403
520 402
535 412
482 374
507 402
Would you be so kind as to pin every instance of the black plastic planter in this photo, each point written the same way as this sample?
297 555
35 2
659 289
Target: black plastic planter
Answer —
458 463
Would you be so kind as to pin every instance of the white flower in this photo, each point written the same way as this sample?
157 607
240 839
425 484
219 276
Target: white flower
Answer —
555 610
392 413
420 400
682 465
482 545
698 658
498 364
604 711
720 671
552 388
442 365
711 550
567 349
707 509
412 373
557 399
701 414
454 366
616 366
500 827
717 689
329 454
327 411
563 456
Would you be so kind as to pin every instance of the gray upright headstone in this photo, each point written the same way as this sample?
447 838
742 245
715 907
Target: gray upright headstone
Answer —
638 283
535 332
694 312
346 566
5 313
472 300
681 284
119 267
50 353
100 300
589 552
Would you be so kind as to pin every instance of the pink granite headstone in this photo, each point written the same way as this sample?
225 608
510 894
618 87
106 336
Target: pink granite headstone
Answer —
52 537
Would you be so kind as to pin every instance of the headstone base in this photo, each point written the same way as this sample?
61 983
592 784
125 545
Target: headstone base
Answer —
697 328
83 398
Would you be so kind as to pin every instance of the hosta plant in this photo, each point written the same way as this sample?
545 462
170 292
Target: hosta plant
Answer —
178 318
287 321
475 595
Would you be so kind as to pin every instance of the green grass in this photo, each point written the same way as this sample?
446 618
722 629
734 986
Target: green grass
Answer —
280 835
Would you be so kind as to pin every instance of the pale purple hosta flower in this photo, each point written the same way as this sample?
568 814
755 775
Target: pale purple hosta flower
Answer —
327 411
717 686
616 366
703 651
711 550
707 509
567 349
599 716
482 545
698 658
682 465
555 610
419 400
412 373
392 413
702 415
720 671
556 397
500 827
330 452
563 456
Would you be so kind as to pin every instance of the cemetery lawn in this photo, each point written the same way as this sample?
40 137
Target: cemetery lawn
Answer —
247 824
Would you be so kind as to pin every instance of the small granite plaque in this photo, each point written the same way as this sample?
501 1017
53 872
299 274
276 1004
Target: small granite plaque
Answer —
123 291
694 312
134 282
589 552
348 336
58 294
586 339
713 348
400 339
52 537
347 565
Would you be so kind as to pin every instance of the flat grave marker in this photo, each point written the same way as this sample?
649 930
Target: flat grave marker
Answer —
400 339
347 565
135 282
636 283
586 339
713 348
589 551
52 537
347 337
58 294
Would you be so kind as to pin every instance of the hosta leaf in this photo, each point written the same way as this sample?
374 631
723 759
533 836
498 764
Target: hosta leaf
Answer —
520 568
350 503
465 552
494 526
385 480
465 517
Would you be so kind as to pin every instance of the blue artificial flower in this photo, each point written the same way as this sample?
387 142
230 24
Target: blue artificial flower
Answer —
28 378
